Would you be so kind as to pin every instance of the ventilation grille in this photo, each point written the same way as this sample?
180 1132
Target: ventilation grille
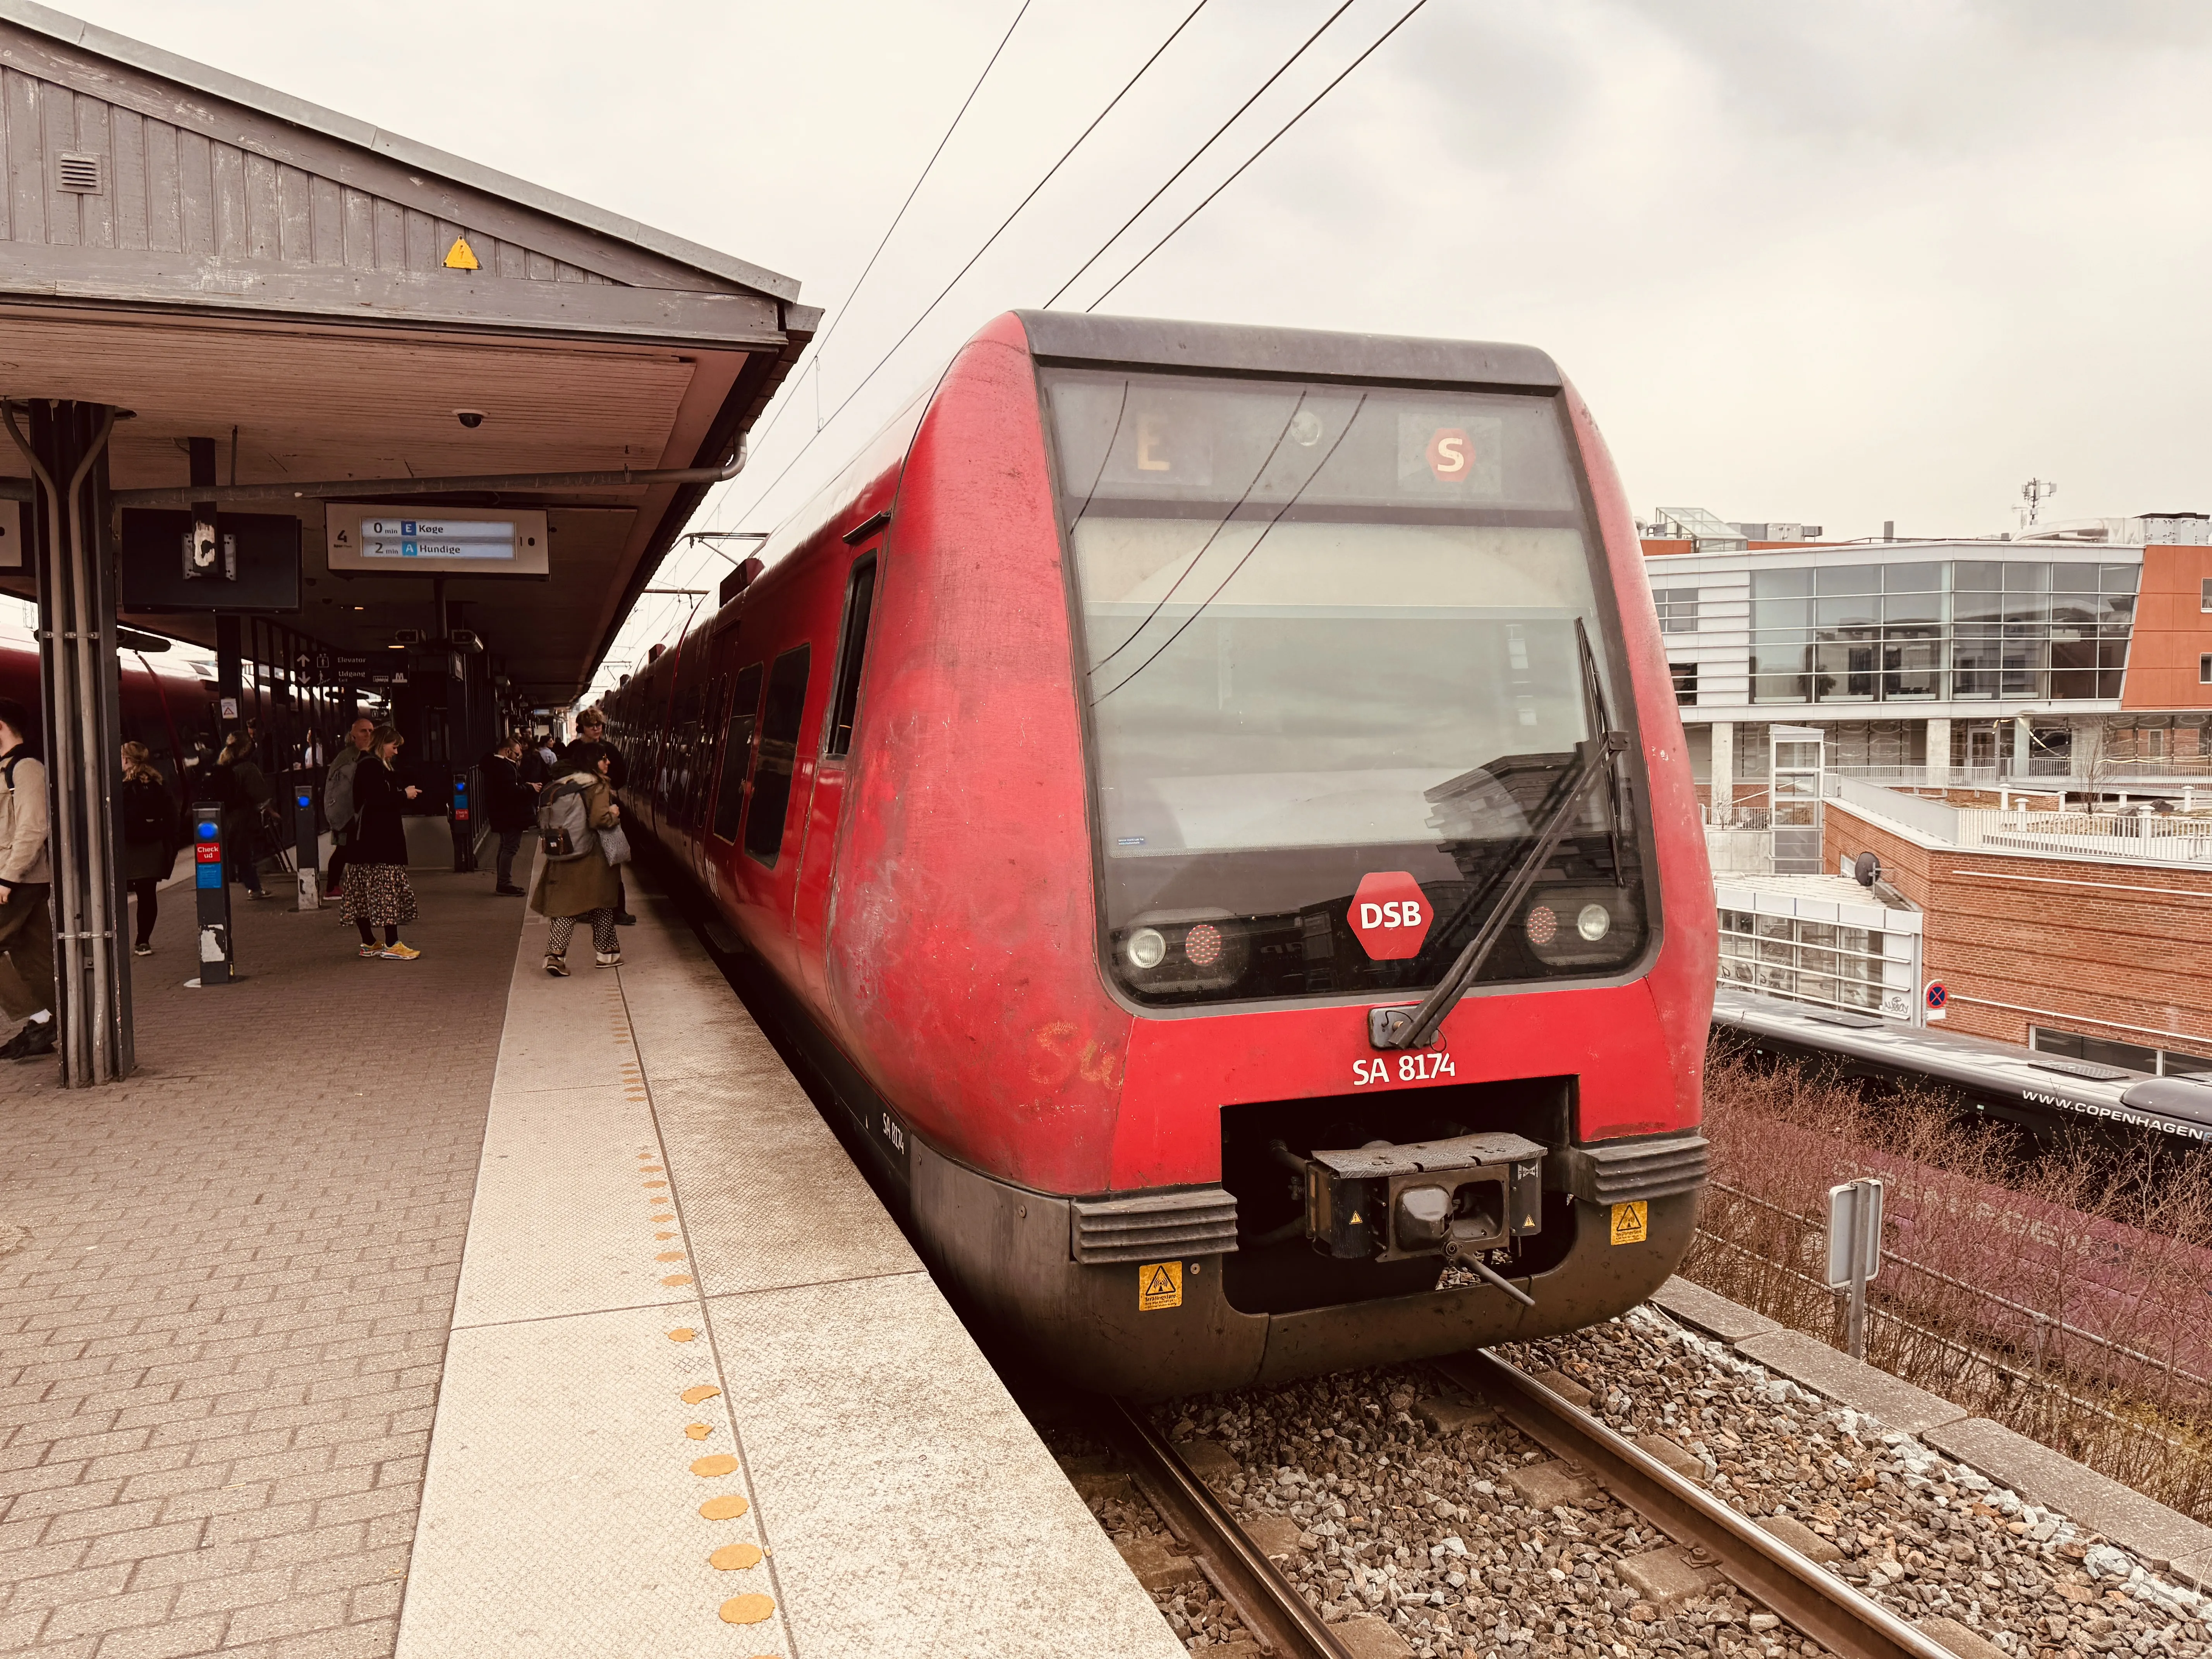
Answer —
1154 1228
1622 1173
80 175
2079 1068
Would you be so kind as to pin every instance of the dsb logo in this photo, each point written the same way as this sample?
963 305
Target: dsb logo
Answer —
1391 912
1390 916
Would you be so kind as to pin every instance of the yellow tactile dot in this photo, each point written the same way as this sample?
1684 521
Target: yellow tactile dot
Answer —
651 1169
746 1609
677 1281
728 1507
731 1557
655 1183
682 1334
721 1463
696 1431
698 1392
670 1255
664 1236
661 1218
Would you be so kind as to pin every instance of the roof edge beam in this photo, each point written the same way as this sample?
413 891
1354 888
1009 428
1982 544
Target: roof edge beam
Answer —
624 478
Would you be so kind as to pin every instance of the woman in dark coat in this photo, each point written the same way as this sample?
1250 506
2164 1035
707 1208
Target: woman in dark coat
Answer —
150 838
377 891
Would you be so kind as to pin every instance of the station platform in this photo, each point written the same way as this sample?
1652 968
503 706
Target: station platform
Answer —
444 1308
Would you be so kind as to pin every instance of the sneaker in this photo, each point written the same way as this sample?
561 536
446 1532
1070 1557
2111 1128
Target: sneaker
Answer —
609 958
41 1037
625 920
557 965
372 950
13 1046
141 949
403 951
510 891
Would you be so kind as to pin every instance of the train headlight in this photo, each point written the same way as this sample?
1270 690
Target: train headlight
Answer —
1586 927
1594 922
1542 924
1147 949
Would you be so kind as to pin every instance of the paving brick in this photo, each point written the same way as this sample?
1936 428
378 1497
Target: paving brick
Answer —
39 1561
62 1589
234 1590
140 1542
190 1566
170 1639
293 1616
138 1608
321 1544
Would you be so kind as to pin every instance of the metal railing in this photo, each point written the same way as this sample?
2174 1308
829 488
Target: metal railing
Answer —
2121 837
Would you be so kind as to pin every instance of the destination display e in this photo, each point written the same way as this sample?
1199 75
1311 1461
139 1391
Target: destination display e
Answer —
383 539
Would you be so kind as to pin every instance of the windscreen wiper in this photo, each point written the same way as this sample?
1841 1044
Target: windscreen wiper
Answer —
1403 1028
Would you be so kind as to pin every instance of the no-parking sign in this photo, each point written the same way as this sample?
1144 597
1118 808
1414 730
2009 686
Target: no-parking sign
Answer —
1938 998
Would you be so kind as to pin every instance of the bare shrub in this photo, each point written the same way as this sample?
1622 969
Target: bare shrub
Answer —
2058 1288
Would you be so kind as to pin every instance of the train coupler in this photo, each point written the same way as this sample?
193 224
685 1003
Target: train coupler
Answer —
1450 1198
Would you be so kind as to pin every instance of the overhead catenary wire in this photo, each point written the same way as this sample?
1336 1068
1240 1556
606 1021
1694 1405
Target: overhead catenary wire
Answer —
1257 153
1194 155
988 243
920 178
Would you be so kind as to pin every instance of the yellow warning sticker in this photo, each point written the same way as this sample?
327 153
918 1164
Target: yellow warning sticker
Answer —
1160 1284
461 256
1629 1222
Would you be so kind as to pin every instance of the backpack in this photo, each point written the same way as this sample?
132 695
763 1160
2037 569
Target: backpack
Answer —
146 816
563 831
338 809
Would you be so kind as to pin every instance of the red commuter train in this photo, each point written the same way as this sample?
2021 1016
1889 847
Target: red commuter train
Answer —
1210 801
163 701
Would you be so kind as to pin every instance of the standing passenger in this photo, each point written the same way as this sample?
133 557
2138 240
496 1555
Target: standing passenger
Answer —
150 838
338 809
26 935
377 891
510 804
592 730
239 787
575 880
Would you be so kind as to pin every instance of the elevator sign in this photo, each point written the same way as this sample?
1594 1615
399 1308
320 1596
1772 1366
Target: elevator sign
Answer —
1391 915
435 541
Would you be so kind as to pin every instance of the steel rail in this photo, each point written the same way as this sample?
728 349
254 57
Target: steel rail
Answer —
1811 1599
1278 1617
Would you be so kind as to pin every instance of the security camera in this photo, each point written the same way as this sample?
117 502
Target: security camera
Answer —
471 418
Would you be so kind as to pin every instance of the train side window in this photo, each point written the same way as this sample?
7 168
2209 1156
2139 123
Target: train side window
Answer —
779 753
845 699
738 752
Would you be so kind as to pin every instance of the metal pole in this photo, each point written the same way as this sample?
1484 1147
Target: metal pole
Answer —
92 632
1855 1315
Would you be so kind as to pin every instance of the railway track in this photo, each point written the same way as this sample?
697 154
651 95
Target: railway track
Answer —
1812 1602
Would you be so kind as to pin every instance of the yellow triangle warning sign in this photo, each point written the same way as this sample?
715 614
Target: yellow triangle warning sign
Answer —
461 256
1160 1284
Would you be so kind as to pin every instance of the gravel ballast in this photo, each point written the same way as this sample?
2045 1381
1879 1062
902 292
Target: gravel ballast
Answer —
1417 1506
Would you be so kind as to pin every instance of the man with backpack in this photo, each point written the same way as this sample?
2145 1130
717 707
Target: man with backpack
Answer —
339 809
26 934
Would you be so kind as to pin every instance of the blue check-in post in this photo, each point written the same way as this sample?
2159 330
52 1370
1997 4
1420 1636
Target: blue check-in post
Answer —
306 847
211 888
464 822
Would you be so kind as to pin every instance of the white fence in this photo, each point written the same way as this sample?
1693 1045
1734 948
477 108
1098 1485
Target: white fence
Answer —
2128 837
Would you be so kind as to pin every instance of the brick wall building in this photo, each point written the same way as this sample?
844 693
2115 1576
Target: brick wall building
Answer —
2115 956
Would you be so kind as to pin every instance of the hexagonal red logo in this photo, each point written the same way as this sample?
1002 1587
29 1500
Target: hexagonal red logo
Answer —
1391 915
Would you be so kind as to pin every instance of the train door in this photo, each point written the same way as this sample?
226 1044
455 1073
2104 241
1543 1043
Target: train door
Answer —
825 800
727 813
765 871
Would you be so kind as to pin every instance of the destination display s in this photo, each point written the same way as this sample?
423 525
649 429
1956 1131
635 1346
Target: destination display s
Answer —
381 539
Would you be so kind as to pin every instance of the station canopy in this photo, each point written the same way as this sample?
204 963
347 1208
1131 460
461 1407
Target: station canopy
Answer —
325 300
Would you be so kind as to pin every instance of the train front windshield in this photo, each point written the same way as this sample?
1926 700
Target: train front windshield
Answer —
1331 637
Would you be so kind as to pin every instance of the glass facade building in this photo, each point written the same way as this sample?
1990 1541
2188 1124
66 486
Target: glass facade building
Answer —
1941 630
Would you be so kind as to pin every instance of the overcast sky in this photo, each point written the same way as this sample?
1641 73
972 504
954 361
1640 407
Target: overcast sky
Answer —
1839 263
